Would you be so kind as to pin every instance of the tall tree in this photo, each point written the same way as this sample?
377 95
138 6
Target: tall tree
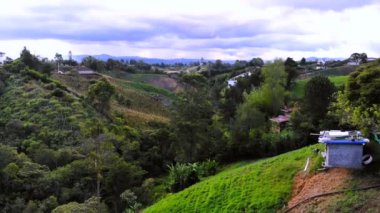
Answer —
28 59
318 95
274 86
257 62
291 70
191 120
58 59
303 61
358 58
100 94
264 101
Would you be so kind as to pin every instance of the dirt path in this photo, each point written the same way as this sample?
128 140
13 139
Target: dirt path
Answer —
327 181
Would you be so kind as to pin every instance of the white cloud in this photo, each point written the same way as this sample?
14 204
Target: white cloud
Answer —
199 28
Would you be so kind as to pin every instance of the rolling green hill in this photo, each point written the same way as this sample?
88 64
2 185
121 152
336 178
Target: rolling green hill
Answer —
298 90
262 186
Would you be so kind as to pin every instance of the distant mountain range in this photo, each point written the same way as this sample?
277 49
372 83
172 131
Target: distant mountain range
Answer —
105 57
324 59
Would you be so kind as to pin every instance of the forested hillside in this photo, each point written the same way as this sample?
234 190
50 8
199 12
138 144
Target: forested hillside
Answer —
121 140
59 145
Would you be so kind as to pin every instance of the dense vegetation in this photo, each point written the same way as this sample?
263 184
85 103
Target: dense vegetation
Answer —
70 143
58 147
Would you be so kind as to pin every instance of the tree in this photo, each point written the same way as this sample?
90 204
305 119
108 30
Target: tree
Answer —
318 95
273 88
191 121
358 58
93 63
59 59
257 62
363 58
303 61
100 94
259 104
363 86
270 96
130 199
28 59
359 104
291 70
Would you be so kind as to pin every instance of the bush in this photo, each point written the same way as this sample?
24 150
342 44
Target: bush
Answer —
207 168
58 93
50 86
15 66
182 175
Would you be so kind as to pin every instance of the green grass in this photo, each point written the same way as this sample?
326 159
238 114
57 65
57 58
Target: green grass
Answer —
298 90
136 77
148 88
261 186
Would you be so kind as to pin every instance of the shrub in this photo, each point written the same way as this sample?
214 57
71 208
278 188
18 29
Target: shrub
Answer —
182 175
58 93
15 66
207 168
50 86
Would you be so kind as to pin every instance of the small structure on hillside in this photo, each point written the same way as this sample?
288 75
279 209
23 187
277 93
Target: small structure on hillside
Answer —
280 121
85 71
81 70
233 81
343 148
321 65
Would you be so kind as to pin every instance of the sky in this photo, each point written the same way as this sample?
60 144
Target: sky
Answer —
212 29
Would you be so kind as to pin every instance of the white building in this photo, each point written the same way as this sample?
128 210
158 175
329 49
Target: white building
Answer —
321 65
233 81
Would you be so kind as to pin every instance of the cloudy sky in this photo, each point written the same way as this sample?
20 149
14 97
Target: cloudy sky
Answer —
224 29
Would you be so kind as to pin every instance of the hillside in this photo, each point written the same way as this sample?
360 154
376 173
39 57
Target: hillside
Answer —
279 183
144 102
261 186
67 138
41 112
299 88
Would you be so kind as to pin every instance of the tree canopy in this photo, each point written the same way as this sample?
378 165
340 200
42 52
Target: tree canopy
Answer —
100 93
318 95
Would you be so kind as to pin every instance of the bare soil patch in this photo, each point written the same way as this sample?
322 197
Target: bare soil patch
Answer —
334 179
168 83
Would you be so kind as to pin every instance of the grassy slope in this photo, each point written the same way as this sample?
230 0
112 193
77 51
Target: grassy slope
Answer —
298 90
262 186
146 82
144 107
145 88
